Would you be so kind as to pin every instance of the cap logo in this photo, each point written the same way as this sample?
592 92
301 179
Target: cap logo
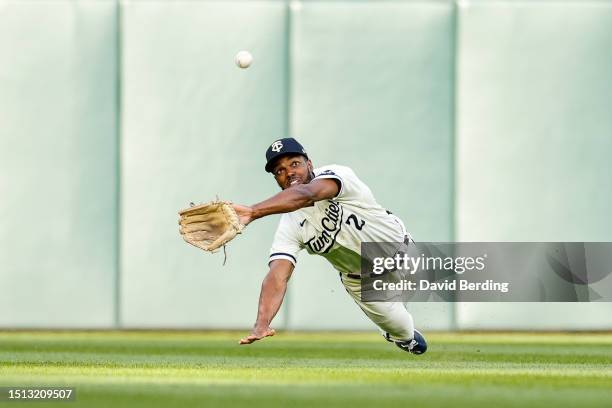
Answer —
277 146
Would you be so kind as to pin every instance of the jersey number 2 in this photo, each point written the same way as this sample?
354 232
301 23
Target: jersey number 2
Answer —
357 224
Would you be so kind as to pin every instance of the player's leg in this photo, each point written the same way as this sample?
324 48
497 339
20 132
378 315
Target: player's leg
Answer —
393 319
396 324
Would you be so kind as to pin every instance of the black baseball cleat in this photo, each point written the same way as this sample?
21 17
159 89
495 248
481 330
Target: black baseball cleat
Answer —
417 345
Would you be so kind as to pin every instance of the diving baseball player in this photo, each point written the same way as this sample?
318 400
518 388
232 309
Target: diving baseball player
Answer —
328 211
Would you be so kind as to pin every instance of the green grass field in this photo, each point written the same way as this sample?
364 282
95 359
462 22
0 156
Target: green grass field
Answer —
159 369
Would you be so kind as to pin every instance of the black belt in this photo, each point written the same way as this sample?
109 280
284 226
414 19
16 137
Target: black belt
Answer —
407 241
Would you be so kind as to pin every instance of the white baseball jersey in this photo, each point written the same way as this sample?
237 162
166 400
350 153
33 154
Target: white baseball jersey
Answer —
336 227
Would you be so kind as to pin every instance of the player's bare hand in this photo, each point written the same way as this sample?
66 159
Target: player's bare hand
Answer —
245 213
257 334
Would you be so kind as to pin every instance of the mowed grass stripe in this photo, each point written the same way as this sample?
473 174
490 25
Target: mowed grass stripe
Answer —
307 395
67 359
278 351
593 377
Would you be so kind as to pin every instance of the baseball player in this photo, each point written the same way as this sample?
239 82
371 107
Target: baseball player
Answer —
328 211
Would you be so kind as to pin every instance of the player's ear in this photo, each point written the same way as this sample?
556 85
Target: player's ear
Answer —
309 164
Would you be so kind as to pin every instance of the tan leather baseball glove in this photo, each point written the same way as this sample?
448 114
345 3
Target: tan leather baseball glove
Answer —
210 226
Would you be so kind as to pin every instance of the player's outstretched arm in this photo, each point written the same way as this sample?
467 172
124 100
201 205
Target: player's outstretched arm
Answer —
271 297
291 199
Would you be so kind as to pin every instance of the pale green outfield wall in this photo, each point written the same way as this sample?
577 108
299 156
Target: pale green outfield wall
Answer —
451 115
534 140
194 126
58 163
372 88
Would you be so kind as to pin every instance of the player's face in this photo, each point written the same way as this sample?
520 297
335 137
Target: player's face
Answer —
290 171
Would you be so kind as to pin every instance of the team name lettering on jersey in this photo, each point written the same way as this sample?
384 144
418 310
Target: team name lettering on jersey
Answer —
332 224
336 228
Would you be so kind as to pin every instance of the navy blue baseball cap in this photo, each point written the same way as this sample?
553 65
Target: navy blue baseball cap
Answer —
283 147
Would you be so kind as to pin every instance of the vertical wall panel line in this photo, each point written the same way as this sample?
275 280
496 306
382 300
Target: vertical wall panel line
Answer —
288 122
453 142
118 175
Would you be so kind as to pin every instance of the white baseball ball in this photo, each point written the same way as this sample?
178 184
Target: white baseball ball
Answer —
244 59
